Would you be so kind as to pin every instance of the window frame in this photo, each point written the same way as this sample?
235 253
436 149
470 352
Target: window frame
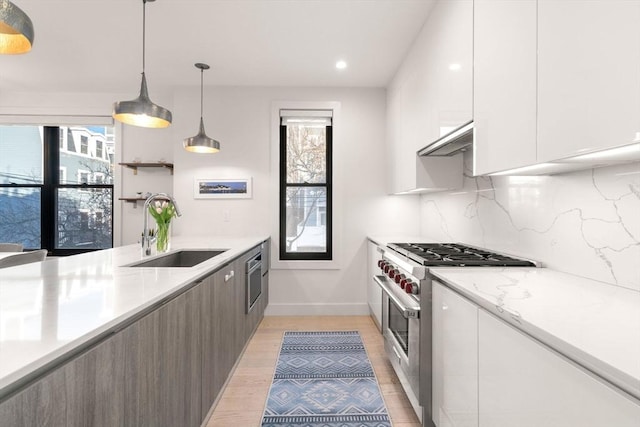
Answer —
51 183
328 254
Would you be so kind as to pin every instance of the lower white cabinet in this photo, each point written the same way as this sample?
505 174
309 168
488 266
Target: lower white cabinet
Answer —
455 359
374 293
487 373
522 383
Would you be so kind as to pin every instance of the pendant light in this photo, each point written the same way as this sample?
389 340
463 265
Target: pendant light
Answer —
201 143
16 29
141 111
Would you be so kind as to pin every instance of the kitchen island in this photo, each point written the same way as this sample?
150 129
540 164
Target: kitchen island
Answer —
56 312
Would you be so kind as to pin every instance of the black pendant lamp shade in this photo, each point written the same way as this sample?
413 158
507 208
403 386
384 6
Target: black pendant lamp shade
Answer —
201 143
16 29
142 111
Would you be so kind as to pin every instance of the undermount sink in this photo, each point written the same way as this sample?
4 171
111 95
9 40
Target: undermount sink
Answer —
181 258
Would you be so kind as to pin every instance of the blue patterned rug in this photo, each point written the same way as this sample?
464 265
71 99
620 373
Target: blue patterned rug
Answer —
324 379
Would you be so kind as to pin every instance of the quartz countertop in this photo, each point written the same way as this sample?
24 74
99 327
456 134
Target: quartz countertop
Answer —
595 324
50 309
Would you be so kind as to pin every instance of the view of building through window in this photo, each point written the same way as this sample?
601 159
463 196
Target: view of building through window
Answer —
305 205
56 187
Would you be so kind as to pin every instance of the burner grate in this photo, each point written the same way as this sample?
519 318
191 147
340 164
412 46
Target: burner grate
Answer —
455 254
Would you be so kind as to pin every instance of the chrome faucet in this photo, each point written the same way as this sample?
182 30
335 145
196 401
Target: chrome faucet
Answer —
147 239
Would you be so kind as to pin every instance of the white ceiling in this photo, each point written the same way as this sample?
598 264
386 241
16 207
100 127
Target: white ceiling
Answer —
96 45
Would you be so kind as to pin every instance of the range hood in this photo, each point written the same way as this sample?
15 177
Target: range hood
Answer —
452 143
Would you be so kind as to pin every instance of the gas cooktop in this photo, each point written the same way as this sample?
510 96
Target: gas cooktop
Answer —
455 255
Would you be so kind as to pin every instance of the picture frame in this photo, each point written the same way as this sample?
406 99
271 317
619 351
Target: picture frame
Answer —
219 188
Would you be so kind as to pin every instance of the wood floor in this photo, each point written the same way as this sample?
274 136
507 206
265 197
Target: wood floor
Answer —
243 400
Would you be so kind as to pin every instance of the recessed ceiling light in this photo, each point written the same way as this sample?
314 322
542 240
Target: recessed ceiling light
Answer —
454 67
341 65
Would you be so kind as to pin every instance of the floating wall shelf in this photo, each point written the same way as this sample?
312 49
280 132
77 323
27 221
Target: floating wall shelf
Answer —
135 166
133 200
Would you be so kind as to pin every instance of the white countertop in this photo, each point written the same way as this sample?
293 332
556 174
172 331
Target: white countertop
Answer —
50 308
385 240
593 323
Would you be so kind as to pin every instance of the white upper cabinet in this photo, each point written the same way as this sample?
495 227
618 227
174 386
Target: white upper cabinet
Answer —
430 95
588 76
504 104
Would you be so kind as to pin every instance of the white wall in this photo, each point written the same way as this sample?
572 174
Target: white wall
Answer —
241 119
585 223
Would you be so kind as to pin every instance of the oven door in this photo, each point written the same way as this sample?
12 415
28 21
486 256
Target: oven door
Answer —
253 281
401 332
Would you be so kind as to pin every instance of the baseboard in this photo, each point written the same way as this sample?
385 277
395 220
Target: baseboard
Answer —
317 309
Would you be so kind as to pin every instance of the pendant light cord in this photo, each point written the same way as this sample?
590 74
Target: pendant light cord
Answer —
201 92
144 20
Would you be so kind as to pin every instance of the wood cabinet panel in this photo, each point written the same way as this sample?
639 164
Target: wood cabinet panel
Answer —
93 386
86 391
143 372
163 370
42 404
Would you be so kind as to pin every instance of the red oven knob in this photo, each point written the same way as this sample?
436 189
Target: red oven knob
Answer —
386 268
381 263
404 282
399 277
415 289
408 287
392 273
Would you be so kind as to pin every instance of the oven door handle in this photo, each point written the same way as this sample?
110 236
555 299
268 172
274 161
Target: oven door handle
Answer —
407 312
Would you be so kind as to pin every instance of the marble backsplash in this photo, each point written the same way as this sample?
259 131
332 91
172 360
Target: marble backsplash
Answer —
585 223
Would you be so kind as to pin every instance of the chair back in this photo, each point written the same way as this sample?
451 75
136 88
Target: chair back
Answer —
23 258
11 247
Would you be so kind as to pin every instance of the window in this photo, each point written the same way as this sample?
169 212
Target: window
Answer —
305 185
99 149
84 145
48 197
83 177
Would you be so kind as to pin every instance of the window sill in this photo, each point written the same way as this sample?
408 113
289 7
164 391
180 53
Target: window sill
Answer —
277 264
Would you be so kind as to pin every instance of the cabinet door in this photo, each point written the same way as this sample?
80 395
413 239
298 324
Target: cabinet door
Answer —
447 73
523 383
455 359
94 383
86 391
504 102
163 370
430 95
226 328
588 75
374 293
41 404
220 329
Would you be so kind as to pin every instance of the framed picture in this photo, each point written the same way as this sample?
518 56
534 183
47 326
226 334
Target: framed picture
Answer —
211 188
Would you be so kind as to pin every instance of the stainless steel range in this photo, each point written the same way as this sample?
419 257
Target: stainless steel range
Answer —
406 308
